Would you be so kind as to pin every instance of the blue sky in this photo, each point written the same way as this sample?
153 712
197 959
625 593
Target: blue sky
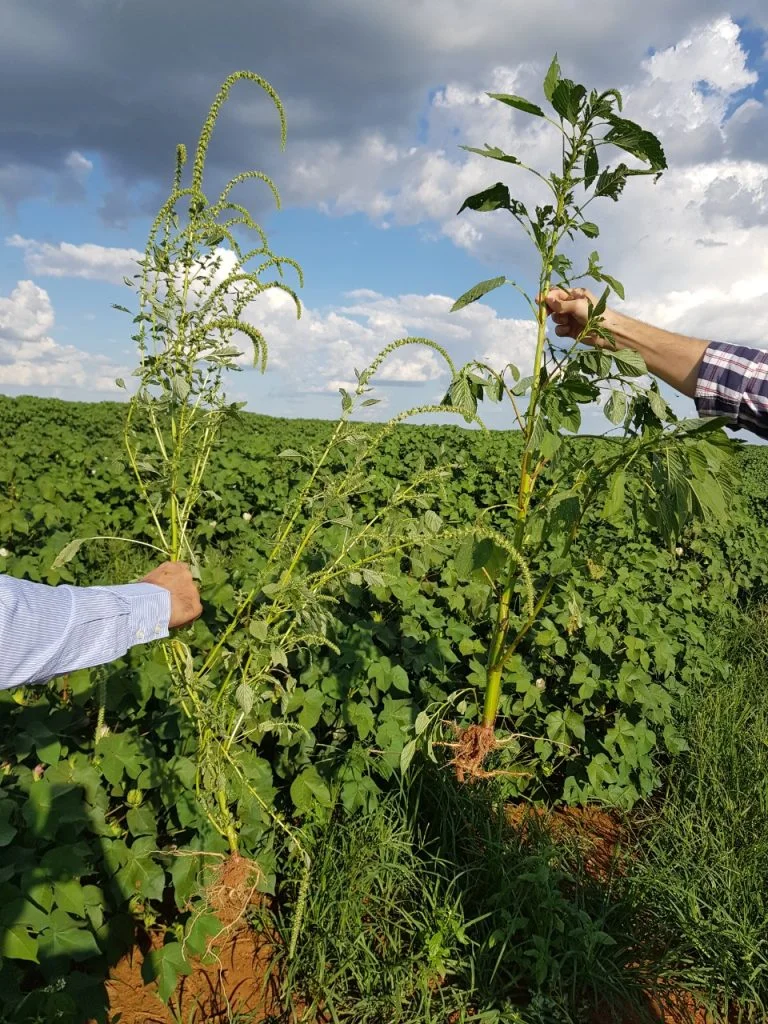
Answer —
372 179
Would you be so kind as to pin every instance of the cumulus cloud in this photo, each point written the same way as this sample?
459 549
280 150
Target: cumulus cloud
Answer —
90 76
691 249
31 359
322 348
92 262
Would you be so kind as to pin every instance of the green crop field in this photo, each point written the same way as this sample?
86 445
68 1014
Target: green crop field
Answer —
88 818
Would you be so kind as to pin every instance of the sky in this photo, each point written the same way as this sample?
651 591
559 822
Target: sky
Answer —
95 95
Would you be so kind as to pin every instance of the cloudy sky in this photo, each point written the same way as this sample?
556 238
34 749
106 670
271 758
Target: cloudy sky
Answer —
96 94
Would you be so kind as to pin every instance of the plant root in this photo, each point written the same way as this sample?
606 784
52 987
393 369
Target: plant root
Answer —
233 890
471 749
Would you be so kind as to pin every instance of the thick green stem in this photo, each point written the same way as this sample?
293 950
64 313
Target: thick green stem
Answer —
499 639
229 828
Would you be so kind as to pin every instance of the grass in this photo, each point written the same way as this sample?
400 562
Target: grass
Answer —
433 909
703 875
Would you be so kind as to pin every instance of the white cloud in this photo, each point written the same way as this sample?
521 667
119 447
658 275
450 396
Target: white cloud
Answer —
31 359
79 165
320 350
692 250
92 262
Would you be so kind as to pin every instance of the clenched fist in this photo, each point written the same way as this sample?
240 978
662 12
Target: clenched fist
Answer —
570 311
176 578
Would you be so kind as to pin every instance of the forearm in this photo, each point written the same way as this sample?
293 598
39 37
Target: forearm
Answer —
46 631
675 358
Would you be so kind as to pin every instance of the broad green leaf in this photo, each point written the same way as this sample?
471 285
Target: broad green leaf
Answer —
432 521
67 553
17 944
589 229
399 679
640 143
494 198
307 788
200 931
244 698
517 102
611 182
406 755
522 386
141 821
617 286
258 628
312 707
493 152
359 715
552 78
658 404
139 874
68 895
165 966
616 407
180 388
462 397
567 99
422 721
477 292
120 756
67 938
629 362
614 502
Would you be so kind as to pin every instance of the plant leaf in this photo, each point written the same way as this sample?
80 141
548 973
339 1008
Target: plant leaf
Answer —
591 166
493 152
494 198
614 502
518 102
616 407
67 553
629 362
552 78
617 286
477 292
640 143
567 99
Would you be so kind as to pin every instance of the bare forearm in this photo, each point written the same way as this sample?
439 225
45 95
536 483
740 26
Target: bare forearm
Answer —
674 358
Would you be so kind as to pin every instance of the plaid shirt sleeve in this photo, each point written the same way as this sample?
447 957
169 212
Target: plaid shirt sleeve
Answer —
733 382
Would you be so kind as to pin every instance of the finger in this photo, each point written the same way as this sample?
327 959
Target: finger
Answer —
563 332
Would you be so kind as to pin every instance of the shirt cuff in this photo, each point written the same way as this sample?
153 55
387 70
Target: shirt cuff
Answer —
149 611
720 381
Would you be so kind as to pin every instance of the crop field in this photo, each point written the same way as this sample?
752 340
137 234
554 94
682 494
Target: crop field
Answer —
100 828
473 726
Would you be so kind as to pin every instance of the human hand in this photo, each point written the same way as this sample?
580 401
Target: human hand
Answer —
176 578
570 311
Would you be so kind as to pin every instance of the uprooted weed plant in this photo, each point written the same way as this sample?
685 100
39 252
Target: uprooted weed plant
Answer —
681 467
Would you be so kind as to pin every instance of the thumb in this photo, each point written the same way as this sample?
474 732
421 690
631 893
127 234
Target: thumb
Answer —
556 300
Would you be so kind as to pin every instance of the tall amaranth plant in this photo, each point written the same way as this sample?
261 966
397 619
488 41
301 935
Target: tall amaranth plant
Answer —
682 468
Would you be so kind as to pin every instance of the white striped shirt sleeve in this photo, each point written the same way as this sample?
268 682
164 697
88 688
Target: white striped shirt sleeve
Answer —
46 631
